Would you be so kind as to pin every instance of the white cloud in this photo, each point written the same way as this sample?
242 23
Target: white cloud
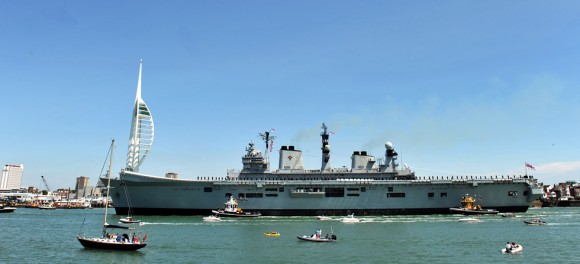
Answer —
556 172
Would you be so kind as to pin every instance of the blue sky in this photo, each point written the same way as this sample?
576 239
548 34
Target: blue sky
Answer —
459 87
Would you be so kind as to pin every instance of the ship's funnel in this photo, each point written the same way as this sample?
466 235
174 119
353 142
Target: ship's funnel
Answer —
290 159
362 161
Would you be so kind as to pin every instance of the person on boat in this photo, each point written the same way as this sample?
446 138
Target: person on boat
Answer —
273 232
508 247
514 245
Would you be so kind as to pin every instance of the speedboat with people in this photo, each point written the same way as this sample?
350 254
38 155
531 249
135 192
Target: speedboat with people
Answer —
317 237
231 209
468 207
512 247
535 221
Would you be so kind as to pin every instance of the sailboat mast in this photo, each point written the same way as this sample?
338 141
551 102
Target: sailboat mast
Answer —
109 180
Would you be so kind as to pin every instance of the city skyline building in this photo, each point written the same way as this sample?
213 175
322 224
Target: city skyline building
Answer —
11 177
82 186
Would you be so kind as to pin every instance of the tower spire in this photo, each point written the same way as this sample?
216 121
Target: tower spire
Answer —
138 96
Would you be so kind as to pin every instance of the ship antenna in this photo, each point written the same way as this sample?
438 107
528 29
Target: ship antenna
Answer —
269 140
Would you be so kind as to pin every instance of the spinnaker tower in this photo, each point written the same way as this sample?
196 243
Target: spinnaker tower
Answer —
142 130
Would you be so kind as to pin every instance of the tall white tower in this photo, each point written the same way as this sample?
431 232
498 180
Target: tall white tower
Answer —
11 177
142 130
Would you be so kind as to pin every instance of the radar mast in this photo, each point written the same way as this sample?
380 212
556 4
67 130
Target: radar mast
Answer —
269 140
325 149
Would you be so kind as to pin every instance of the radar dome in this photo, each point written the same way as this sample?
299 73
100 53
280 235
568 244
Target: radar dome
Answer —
389 145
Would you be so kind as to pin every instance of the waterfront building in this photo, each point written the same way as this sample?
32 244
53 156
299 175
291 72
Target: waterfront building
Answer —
11 177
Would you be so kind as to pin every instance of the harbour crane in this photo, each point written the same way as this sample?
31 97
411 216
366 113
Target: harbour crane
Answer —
47 188
45 184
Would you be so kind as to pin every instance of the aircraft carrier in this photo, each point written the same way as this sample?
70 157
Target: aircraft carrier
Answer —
366 188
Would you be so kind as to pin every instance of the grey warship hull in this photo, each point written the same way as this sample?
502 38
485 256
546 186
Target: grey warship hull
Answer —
150 195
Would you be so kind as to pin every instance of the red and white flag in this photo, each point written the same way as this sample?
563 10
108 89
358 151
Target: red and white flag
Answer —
530 166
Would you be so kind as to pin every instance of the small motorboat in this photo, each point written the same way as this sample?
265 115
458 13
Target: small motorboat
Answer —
515 249
129 220
317 236
49 206
535 221
212 218
350 219
468 207
469 220
316 239
6 209
232 210
272 234
323 218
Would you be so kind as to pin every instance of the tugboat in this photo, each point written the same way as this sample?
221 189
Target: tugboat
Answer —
232 210
468 207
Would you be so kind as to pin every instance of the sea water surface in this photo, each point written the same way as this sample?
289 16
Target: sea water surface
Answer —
33 236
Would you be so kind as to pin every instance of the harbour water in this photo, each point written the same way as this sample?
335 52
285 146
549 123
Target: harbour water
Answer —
32 236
